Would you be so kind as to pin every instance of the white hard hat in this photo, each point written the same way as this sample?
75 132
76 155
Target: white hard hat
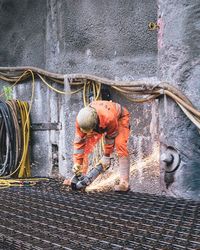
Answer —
87 119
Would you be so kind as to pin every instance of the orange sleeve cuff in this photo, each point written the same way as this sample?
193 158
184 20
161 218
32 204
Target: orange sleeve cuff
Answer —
78 161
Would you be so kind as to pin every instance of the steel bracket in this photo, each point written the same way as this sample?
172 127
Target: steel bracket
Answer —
46 126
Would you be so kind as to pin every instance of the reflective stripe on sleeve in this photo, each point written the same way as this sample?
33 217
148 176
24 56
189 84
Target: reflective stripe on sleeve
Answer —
109 141
112 136
119 109
78 151
79 139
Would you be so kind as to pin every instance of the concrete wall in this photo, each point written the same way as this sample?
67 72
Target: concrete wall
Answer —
22 32
110 39
178 54
105 38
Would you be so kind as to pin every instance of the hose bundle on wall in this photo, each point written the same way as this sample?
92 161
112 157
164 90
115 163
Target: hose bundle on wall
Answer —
14 139
135 91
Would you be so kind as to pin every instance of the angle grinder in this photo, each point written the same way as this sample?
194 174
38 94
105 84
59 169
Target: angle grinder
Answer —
81 182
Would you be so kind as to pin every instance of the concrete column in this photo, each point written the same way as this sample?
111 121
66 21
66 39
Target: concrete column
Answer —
179 64
63 108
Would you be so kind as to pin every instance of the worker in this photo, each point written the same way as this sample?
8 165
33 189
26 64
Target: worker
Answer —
111 120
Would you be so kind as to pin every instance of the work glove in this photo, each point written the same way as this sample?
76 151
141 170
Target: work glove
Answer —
105 161
77 169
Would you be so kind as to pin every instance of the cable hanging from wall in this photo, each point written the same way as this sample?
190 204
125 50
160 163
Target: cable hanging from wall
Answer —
14 139
134 91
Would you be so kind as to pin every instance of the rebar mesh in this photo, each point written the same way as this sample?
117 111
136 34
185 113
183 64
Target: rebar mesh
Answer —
52 217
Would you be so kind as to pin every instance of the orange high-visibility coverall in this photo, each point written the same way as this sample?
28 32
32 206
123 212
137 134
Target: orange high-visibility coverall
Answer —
113 124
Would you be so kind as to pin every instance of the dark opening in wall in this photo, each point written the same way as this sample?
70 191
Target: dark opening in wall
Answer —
55 162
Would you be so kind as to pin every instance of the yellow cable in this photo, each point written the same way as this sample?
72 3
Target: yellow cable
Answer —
5 179
134 87
185 105
24 169
26 122
94 90
27 125
98 85
193 119
85 102
5 183
57 90
141 100
17 81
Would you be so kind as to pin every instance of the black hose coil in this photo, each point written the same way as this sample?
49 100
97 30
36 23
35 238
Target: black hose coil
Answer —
11 137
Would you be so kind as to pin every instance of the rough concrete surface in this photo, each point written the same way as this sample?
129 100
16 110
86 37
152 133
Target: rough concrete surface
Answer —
105 38
178 56
22 32
110 39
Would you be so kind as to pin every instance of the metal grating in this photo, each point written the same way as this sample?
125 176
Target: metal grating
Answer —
50 217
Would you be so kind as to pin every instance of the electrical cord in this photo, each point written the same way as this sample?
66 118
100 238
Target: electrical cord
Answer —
14 139
15 134
21 182
131 90
7 141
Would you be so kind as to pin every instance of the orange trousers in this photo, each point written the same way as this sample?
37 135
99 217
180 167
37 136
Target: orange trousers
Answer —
121 140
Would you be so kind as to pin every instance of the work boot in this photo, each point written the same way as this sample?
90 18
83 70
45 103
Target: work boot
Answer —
122 187
124 169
